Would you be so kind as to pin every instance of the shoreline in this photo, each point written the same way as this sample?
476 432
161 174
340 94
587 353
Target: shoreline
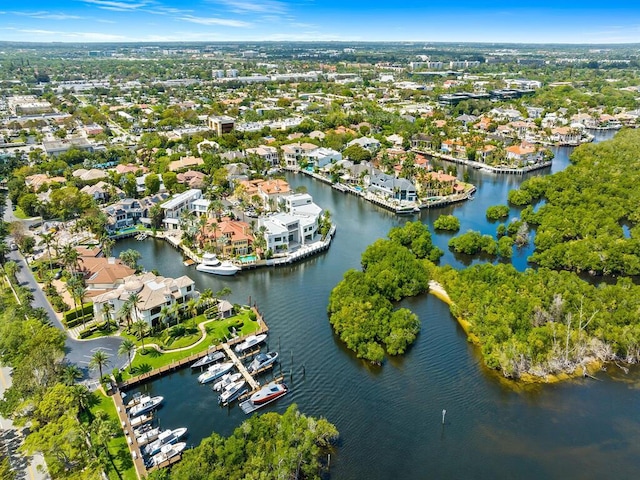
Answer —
588 369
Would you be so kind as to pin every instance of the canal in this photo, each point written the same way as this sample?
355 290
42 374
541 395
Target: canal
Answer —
390 417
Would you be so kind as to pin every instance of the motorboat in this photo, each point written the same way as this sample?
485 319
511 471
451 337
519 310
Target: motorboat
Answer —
209 358
142 429
212 264
267 394
167 452
215 371
168 437
250 342
141 420
232 392
134 400
148 436
145 405
226 380
261 361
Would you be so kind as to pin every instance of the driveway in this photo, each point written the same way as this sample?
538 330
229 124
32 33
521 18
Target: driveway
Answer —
77 351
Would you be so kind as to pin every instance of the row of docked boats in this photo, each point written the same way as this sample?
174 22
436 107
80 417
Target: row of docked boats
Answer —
156 446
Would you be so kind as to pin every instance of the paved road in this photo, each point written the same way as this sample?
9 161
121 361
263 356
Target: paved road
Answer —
77 351
31 468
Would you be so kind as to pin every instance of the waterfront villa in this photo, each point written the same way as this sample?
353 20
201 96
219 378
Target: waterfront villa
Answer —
271 191
267 153
294 152
176 205
153 294
524 154
130 211
102 274
391 187
230 237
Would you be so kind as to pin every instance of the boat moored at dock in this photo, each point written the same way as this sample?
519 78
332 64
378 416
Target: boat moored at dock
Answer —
212 264
232 392
250 342
145 405
167 452
262 360
208 359
215 371
168 437
267 394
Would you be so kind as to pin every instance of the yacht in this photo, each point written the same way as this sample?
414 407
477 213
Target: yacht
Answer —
225 381
146 405
167 452
208 359
168 437
250 342
261 361
215 371
232 392
211 264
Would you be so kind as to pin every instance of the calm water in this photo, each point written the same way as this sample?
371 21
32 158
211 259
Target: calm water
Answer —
390 418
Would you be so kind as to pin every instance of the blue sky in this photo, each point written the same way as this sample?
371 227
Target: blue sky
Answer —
542 21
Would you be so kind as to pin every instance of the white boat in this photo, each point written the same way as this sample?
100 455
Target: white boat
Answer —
141 420
148 436
168 437
250 342
137 397
142 429
167 452
226 380
146 405
261 361
267 394
211 264
232 392
207 359
215 371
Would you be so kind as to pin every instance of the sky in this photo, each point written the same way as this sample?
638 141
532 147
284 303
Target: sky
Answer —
507 21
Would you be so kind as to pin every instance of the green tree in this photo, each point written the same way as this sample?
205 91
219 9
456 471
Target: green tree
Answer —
152 184
130 258
140 329
127 347
99 360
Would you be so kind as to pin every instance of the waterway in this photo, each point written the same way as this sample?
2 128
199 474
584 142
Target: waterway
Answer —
390 417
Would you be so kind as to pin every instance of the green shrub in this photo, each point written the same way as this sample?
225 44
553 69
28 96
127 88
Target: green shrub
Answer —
72 314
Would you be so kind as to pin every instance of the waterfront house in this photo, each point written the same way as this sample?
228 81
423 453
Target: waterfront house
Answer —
437 184
391 187
421 141
153 292
178 204
130 211
229 237
102 274
322 156
294 152
524 154
271 191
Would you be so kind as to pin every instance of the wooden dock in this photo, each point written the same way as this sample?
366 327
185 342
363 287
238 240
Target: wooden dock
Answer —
136 454
240 366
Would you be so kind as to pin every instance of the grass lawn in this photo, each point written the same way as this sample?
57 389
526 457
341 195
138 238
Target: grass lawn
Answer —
118 445
216 331
20 214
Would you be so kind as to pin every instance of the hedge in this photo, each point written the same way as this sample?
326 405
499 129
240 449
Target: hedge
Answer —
85 310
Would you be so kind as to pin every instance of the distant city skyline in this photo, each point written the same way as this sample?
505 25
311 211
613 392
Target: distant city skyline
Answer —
587 21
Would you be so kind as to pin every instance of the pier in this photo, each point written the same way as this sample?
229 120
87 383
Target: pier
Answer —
136 454
502 169
241 368
178 364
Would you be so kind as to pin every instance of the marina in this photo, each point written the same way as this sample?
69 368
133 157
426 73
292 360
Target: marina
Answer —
499 429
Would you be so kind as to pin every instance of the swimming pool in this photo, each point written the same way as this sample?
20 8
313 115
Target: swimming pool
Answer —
247 258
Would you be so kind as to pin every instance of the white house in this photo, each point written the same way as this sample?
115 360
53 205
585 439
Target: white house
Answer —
323 156
294 152
176 205
389 186
269 154
153 294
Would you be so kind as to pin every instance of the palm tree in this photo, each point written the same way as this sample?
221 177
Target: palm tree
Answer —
192 307
127 347
11 269
99 360
133 299
125 312
107 246
70 257
104 429
140 328
70 374
77 292
106 309
83 396
48 239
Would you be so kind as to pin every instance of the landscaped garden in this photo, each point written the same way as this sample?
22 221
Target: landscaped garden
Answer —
217 331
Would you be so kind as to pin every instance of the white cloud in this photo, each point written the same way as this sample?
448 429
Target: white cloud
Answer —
253 6
48 15
117 6
225 22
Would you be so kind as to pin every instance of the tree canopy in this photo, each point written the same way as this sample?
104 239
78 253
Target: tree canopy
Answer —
360 306
269 446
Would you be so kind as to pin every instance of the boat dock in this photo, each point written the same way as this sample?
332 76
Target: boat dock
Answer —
241 368
125 422
178 364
